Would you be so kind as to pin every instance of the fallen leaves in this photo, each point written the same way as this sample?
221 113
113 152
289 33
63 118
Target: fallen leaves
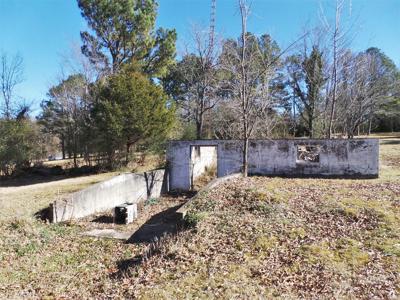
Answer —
295 238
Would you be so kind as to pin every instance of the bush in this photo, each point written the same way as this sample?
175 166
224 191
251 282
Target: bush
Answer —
193 218
20 144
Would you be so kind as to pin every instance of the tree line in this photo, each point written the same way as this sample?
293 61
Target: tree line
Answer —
128 92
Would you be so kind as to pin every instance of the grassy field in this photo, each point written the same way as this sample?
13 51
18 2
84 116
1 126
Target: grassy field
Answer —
21 200
283 238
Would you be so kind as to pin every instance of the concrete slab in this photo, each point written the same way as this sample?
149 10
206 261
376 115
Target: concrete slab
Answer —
108 233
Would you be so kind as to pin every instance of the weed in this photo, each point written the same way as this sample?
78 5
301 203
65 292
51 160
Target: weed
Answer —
265 243
346 253
262 207
151 201
192 219
29 248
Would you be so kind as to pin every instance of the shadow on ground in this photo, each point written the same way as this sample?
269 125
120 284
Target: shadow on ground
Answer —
157 226
104 219
390 142
43 214
126 265
161 225
42 174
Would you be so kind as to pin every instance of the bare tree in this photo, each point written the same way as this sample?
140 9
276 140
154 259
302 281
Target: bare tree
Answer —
74 62
363 85
193 82
63 113
249 67
340 38
249 70
306 74
11 73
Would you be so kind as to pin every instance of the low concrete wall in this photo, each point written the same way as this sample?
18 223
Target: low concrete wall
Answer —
358 158
105 195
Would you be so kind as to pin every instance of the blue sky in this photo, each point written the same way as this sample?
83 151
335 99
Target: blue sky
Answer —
43 30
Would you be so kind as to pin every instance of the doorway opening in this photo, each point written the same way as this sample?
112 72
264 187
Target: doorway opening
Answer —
203 166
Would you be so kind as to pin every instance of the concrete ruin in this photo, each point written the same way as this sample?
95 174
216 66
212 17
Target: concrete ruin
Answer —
187 160
353 158
124 188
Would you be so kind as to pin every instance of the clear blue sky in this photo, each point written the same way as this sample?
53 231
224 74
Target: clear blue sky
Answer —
42 30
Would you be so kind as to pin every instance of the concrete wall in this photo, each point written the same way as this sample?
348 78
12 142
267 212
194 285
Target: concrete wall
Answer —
201 159
337 158
106 195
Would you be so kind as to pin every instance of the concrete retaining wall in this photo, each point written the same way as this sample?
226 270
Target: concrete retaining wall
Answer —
358 158
105 195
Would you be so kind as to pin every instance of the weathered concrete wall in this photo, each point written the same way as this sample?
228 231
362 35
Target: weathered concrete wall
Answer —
337 158
202 158
105 195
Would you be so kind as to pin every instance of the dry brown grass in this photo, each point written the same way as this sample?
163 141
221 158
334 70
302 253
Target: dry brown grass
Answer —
286 238
255 237
56 261
22 202
209 174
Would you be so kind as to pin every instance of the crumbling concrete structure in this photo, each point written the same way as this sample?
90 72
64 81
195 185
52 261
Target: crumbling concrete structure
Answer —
124 188
355 158
186 160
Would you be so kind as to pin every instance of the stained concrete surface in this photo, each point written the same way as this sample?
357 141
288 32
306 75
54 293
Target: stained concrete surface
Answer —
107 233
355 158
124 188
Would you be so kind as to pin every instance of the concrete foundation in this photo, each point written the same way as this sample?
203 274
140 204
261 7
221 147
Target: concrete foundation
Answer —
124 188
356 158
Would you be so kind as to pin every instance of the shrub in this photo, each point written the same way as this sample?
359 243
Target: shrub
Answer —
193 218
20 144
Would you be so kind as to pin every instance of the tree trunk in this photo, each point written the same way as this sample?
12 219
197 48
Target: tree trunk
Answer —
243 96
332 112
63 146
245 157
392 124
128 148
369 125
75 151
334 71
199 127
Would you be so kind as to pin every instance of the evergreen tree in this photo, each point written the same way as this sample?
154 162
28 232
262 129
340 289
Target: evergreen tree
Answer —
130 109
307 80
124 31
